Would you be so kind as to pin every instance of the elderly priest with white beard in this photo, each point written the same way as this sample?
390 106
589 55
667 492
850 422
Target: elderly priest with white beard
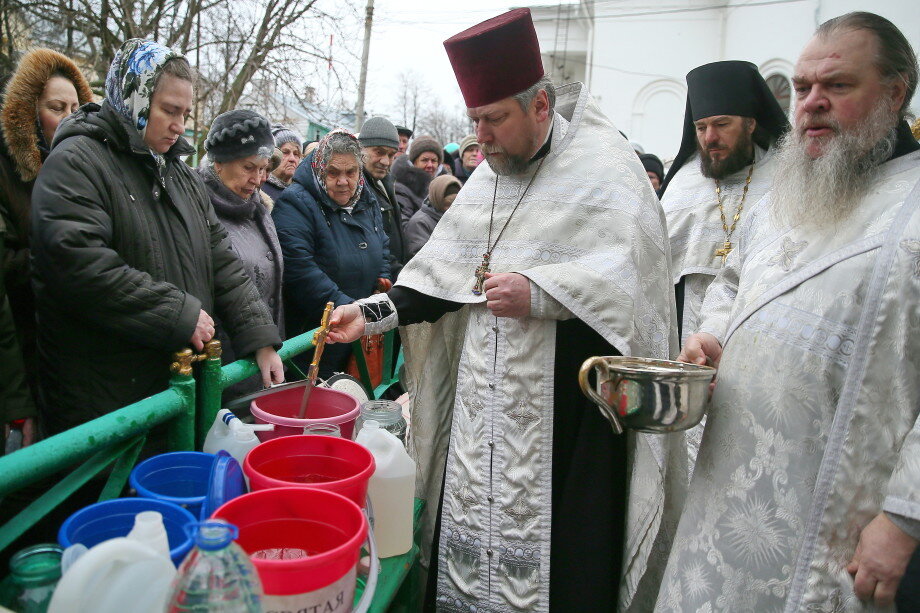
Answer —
554 251
806 493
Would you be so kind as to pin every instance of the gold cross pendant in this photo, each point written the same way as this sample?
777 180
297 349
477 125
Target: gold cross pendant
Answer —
481 275
724 251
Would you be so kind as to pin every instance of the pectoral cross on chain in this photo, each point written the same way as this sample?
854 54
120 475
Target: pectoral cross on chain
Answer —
724 251
481 271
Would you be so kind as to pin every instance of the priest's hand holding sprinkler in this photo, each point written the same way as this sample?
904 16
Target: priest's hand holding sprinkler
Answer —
346 324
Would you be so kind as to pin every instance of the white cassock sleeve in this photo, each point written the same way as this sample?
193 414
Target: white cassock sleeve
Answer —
544 306
716 312
379 314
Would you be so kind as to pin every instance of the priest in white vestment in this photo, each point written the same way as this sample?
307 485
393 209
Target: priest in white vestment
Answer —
554 251
724 164
806 492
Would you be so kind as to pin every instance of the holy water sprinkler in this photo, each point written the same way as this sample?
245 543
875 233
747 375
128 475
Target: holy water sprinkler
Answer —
319 341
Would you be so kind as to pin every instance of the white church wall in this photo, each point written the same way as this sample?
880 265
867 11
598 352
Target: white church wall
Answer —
639 62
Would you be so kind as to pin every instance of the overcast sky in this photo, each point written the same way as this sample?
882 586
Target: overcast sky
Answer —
408 35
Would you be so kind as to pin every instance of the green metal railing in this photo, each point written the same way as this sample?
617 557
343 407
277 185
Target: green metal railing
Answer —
188 408
115 438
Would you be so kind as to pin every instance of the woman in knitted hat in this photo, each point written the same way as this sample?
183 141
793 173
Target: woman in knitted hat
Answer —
240 146
469 155
414 172
45 88
130 261
288 143
331 233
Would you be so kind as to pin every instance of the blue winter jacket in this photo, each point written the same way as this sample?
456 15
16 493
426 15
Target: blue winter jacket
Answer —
329 254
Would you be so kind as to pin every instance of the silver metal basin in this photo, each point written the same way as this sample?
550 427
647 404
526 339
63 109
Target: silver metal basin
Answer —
647 395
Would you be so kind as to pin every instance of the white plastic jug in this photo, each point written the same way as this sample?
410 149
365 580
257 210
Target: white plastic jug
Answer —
149 530
391 489
230 434
115 576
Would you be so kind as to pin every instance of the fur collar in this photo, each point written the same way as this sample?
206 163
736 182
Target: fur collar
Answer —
19 114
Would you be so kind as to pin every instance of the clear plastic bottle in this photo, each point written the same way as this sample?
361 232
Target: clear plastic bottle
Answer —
386 413
217 575
34 573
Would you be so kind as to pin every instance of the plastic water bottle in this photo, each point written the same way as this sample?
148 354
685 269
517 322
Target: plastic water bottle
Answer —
230 434
391 489
217 576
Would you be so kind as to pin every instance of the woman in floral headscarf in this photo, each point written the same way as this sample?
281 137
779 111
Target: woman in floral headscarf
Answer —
129 257
332 238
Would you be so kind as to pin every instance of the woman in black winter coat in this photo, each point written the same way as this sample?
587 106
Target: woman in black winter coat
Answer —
129 259
331 232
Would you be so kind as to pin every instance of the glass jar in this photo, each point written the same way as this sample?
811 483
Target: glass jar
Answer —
387 413
323 429
34 573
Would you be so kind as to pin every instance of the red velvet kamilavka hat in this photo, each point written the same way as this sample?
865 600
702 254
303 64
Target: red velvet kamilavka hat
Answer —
497 58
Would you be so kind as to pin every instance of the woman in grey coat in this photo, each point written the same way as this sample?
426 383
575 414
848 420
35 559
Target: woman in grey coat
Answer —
239 146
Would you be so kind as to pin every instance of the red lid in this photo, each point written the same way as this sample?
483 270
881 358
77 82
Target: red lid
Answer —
497 58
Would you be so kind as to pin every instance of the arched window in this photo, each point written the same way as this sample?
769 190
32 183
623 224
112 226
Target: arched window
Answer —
777 73
658 116
782 90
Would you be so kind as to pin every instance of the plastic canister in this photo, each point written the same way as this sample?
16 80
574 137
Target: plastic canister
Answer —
391 490
230 434
149 530
304 543
117 575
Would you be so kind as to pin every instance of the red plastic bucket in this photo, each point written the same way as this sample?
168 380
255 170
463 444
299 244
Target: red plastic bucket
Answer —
318 462
316 534
325 406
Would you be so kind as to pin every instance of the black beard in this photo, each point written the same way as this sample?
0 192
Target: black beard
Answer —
738 158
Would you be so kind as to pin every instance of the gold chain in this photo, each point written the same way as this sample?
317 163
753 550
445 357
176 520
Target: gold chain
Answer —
729 231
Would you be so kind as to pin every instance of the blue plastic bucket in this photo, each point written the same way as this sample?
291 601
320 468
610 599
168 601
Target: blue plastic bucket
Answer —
181 477
113 518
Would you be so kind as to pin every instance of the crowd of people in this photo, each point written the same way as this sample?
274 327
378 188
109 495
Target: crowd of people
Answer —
783 251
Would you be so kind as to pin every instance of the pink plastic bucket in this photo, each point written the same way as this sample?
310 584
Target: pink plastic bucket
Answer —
320 462
325 406
304 543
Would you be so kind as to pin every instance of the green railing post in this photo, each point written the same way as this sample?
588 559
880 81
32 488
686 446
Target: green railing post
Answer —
210 390
181 433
